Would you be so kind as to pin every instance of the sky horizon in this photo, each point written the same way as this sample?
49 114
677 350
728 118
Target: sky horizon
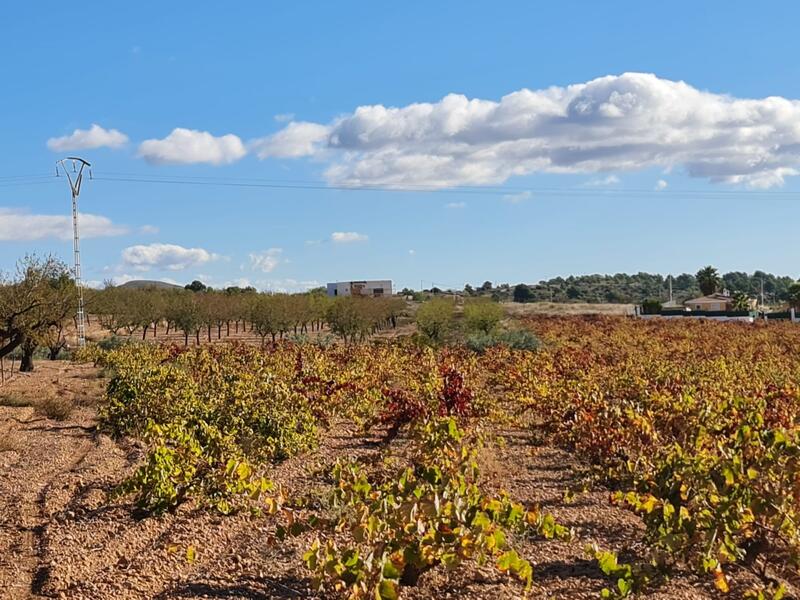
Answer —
285 146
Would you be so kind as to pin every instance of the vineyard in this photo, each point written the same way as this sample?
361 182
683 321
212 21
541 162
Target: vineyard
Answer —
619 458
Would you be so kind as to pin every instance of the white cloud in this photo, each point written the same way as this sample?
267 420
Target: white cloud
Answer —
88 139
165 256
284 117
17 225
286 286
295 140
455 205
189 146
346 237
148 229
661 184
241 282
266 261
603 181
615 123
517 198
270 285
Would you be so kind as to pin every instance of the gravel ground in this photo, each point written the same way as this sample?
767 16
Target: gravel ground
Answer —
60 537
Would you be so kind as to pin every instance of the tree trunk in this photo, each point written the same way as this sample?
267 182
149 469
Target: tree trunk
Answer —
185 338
144 332
209 332
26 364
228 324
197 337
219 331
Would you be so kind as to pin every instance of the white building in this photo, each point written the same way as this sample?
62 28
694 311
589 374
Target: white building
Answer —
372 289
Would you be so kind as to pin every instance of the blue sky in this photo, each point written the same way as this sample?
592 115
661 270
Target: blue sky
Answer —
476 179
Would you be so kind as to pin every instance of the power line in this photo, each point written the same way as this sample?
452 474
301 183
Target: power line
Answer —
26 183
472 190
407 187
319 185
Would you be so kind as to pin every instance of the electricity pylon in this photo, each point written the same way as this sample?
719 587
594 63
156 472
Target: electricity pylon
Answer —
75 178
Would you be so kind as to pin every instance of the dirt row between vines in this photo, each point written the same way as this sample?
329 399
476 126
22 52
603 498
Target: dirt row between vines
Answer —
60 536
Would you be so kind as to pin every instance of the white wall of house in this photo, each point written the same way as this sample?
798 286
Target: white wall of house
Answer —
369 288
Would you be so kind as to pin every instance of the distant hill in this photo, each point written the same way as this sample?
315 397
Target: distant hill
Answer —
140 284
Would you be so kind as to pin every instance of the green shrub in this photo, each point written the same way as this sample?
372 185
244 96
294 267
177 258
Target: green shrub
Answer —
113 342
482 316
516 339
435 320
651 307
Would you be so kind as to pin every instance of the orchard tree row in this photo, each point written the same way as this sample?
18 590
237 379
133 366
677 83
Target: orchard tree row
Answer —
214 314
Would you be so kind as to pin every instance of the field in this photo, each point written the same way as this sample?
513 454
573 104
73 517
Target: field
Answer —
621 457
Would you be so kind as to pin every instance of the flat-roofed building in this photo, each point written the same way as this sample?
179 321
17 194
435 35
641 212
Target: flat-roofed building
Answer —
368 288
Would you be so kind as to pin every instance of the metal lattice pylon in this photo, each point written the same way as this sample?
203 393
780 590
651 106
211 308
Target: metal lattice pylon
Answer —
75 178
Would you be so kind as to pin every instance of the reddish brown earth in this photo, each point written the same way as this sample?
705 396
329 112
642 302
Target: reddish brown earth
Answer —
61 537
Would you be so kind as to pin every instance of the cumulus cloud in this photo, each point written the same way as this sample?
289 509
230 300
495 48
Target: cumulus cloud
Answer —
165 256
266 261
88 139
18 225
346 237
661 185
455 205
188 146
295 140
614 123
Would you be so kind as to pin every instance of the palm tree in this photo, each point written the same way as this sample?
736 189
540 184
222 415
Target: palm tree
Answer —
741 302
708 280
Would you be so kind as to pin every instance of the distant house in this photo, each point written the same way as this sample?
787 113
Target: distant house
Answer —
714 302
373 289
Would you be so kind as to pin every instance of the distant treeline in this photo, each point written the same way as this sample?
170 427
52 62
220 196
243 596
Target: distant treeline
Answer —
632 289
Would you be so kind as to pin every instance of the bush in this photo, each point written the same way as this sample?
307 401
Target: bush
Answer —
14 400
517 339
58 408
435 320
209 416
651 307
113 342
482 315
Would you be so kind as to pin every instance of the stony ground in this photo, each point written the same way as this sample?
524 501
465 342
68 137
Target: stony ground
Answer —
61 536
